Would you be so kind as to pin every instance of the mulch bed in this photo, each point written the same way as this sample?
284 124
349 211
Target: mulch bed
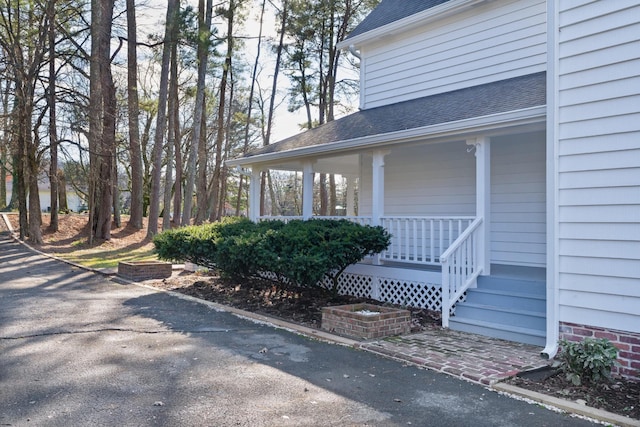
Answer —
618 396
292 303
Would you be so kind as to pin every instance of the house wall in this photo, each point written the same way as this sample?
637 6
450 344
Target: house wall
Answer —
73 200
518 200
493 41
439 179
436 179
597 143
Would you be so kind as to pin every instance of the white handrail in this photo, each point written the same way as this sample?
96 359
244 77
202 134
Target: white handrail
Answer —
460 268
420 239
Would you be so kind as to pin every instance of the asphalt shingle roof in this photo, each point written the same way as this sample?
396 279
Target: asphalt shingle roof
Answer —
477 101
389 11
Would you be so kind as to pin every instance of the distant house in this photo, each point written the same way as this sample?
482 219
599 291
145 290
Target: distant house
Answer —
499 142
74 202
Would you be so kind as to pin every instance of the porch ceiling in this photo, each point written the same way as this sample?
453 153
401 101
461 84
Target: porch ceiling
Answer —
495 102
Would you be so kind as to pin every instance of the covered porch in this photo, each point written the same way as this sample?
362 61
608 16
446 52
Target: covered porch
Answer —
456 210
460 191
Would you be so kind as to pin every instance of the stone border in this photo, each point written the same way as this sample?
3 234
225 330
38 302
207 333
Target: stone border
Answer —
568 406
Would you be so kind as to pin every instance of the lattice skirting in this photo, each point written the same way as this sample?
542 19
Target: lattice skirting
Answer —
406 287
392 290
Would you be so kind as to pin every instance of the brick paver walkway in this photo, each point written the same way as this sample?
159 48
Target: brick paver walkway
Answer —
472 357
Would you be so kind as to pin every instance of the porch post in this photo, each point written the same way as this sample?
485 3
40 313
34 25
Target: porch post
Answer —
377 204
483 200
307 190
351 195
254 194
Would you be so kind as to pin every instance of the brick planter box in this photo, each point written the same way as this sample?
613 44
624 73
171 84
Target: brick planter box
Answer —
366 321
144 270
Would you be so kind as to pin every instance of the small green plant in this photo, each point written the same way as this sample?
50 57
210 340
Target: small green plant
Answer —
587 361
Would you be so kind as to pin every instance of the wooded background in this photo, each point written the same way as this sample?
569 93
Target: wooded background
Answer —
141 123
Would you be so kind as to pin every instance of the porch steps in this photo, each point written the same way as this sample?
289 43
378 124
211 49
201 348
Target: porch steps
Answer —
504 307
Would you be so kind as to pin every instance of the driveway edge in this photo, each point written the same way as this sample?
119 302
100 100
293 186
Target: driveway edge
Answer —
567 406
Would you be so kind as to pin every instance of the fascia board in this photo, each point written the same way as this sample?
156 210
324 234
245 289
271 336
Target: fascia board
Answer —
410 22
442 130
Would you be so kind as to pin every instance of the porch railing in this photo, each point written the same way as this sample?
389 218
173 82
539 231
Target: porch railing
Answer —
421 239
282 218
362 220
414 239
460 267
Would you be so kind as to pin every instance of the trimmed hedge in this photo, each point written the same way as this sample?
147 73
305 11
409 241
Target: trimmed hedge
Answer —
198 243
300 252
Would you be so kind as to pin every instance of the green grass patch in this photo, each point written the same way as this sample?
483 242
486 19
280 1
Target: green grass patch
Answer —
109 258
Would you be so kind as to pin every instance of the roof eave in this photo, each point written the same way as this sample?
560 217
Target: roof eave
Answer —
418 19
481 124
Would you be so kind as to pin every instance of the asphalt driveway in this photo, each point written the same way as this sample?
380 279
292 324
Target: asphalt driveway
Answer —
77 349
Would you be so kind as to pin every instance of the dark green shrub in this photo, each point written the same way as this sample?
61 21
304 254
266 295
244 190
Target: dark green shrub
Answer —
304 252
174 245
240 255
198 243
300 252
587 361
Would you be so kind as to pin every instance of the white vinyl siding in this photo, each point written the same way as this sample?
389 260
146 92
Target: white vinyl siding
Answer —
494 41
439 179
598 166
518 200
423 180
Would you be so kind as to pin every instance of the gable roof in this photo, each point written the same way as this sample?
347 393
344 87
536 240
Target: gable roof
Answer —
389 11
492 98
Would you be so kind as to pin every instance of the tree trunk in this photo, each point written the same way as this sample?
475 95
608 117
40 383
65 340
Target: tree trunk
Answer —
177 193
204 29
53 131
3 175
35 217
154 202
4 148
202 190
172 125
250 107
31 165
117 219
133 108
20 188
62 194
220 136
332 195
95 114
284 17
222 197
324 195
105 106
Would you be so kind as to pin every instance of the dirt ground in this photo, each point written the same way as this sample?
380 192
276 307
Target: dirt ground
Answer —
303 305
291 303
